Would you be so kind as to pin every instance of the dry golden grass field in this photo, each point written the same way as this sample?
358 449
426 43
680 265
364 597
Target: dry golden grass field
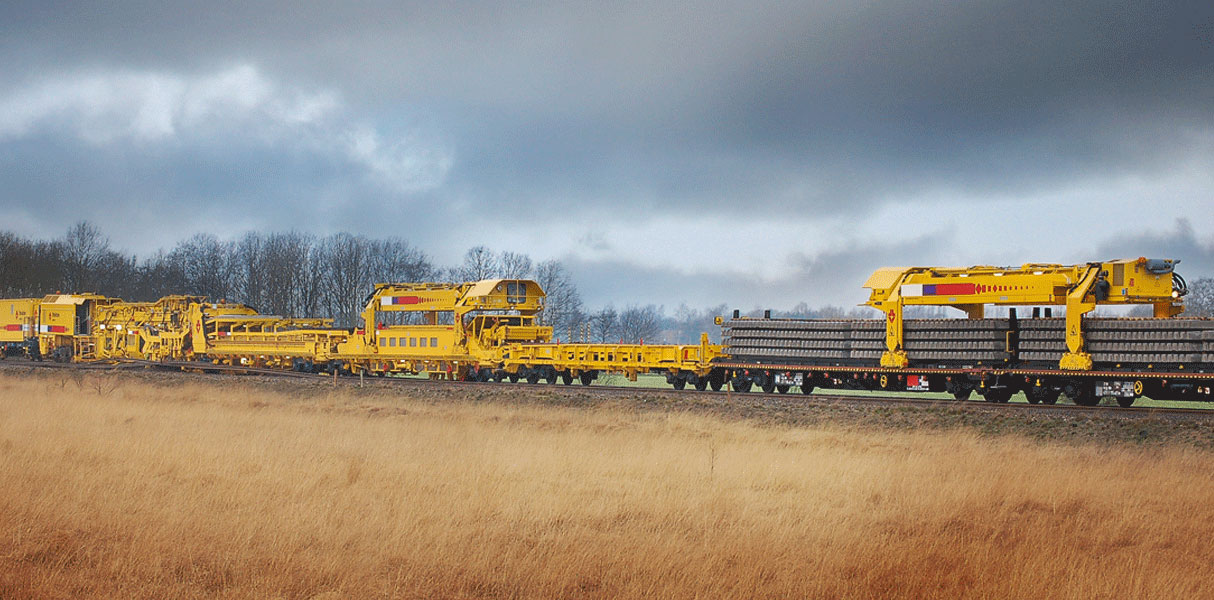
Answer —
129 489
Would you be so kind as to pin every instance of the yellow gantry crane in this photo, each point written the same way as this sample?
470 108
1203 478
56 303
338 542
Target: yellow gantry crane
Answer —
1080 288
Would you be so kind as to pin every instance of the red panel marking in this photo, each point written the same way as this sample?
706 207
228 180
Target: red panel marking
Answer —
12 327
58 329
954 289
406 300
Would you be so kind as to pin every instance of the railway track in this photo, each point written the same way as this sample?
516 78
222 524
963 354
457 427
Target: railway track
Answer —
606 391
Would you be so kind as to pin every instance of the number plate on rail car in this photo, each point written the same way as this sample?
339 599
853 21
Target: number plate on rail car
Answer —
1117 389
789 378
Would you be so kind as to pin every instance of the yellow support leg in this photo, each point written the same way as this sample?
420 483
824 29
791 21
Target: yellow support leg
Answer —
894 359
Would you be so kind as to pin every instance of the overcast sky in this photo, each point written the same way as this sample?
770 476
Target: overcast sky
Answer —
732 152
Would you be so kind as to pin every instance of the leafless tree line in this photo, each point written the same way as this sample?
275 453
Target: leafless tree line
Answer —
288 273
300 274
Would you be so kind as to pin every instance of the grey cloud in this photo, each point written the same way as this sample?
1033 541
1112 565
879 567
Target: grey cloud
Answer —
815 107
1183 242
833 277
531 113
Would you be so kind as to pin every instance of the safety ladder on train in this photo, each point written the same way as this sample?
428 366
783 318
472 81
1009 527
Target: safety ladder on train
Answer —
86 348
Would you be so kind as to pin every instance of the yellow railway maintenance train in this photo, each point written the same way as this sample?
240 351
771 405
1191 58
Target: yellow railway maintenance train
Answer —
477 331
489 330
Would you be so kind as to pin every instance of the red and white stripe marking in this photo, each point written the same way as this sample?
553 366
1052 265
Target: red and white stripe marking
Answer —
400 300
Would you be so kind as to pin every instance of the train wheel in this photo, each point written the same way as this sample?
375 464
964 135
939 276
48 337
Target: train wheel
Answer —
716 385
1036 394
533 376
783 389
484 375
513 377
807 389
741 385
1051 398
566 378
701 385
587 377
499 376
679 383
1126 402
999 395
959 390
1084 396
550 378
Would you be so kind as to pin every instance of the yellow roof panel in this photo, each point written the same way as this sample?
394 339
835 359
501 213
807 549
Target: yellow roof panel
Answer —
884 278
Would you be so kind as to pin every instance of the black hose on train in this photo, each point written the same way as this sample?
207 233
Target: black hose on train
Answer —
1179 285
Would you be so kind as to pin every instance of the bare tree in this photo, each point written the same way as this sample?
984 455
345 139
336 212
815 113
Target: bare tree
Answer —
479 263
159 276
285 260
208 266
640 323
687 324
515 265
606 324
395 261
310 296
1200 300
29 268
347 276
84 249
563 306
248 272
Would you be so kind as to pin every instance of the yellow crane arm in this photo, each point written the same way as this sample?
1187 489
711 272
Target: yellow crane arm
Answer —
1080 288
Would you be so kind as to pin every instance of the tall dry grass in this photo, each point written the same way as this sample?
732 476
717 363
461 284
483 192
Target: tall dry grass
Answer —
224 491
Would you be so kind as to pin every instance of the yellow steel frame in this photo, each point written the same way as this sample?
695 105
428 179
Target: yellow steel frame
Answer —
483 316
1080 288
628 359
235 334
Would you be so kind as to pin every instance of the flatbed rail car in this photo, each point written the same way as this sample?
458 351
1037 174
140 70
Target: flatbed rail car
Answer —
681 364
776 355
1085 358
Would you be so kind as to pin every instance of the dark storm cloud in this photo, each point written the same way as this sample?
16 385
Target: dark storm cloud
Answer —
564 128
833 277
1195 251
731 106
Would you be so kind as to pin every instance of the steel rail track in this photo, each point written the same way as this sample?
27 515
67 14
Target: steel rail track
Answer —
819 399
